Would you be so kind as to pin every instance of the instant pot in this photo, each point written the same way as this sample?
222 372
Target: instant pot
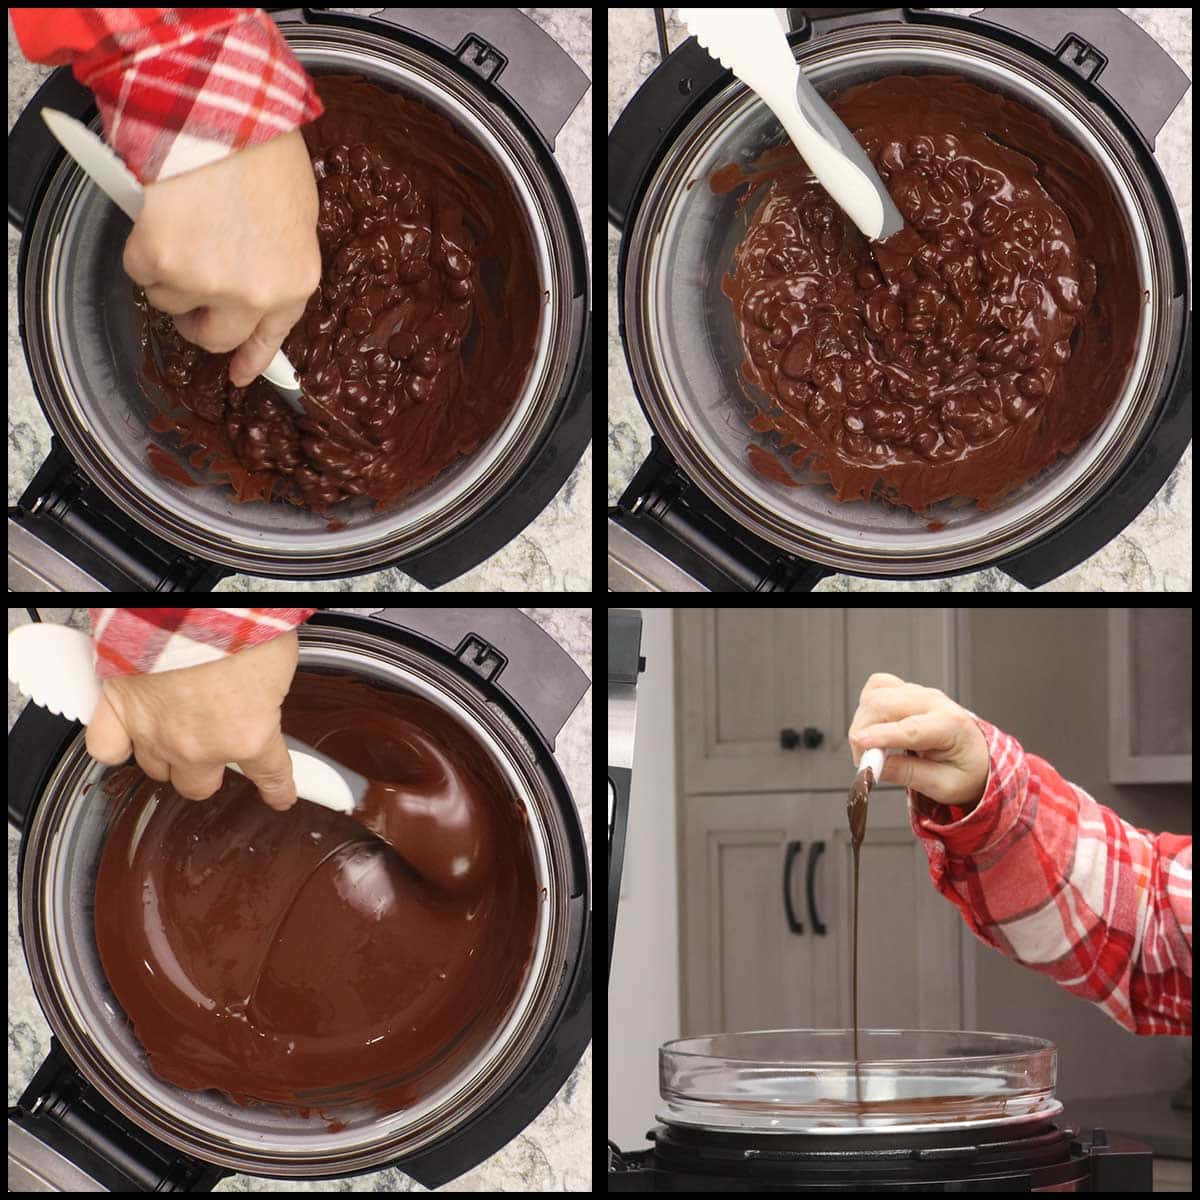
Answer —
95 1117
696 516
97 517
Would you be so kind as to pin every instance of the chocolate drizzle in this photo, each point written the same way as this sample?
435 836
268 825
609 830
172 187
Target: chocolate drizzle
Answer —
856 814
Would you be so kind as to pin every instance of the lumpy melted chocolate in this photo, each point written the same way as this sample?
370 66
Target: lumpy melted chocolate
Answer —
415 347
965 354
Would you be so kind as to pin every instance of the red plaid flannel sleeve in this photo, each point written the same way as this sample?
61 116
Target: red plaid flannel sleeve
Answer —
139 641
177 88
1060 883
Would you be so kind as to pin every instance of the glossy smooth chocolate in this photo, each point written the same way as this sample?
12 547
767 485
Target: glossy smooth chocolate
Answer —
965 354
294 958
415 347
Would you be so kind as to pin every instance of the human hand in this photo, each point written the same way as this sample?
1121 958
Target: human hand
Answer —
949 760
184 726
230 250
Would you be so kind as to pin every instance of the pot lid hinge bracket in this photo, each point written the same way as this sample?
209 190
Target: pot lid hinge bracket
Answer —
679 525
481 657
65 535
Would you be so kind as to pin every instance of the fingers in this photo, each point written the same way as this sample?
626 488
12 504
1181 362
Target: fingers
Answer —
271 773
894 715
193 781
925 732
879 681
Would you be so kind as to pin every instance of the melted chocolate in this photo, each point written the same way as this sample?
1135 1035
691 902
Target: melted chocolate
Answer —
168 466
293 957
968 352
415 347
856 814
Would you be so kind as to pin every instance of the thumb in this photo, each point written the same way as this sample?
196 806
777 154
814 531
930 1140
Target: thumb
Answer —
107 741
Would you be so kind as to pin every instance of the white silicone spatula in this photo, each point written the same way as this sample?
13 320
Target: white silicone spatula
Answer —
52 665
751 43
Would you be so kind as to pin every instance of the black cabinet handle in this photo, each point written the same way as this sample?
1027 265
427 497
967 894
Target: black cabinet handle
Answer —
814 855
789 739
793 849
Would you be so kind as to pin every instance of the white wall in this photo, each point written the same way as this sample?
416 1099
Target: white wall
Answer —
643 992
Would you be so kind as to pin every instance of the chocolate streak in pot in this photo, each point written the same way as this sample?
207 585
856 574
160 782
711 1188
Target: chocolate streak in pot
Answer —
415 347
967 353
295 959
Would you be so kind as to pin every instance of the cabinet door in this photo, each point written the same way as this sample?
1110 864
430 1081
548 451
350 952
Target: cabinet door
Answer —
745 967
1150 695
751 807
752 960
748 677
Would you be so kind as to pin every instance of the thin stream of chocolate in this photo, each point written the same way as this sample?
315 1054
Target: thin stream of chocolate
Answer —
856 812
